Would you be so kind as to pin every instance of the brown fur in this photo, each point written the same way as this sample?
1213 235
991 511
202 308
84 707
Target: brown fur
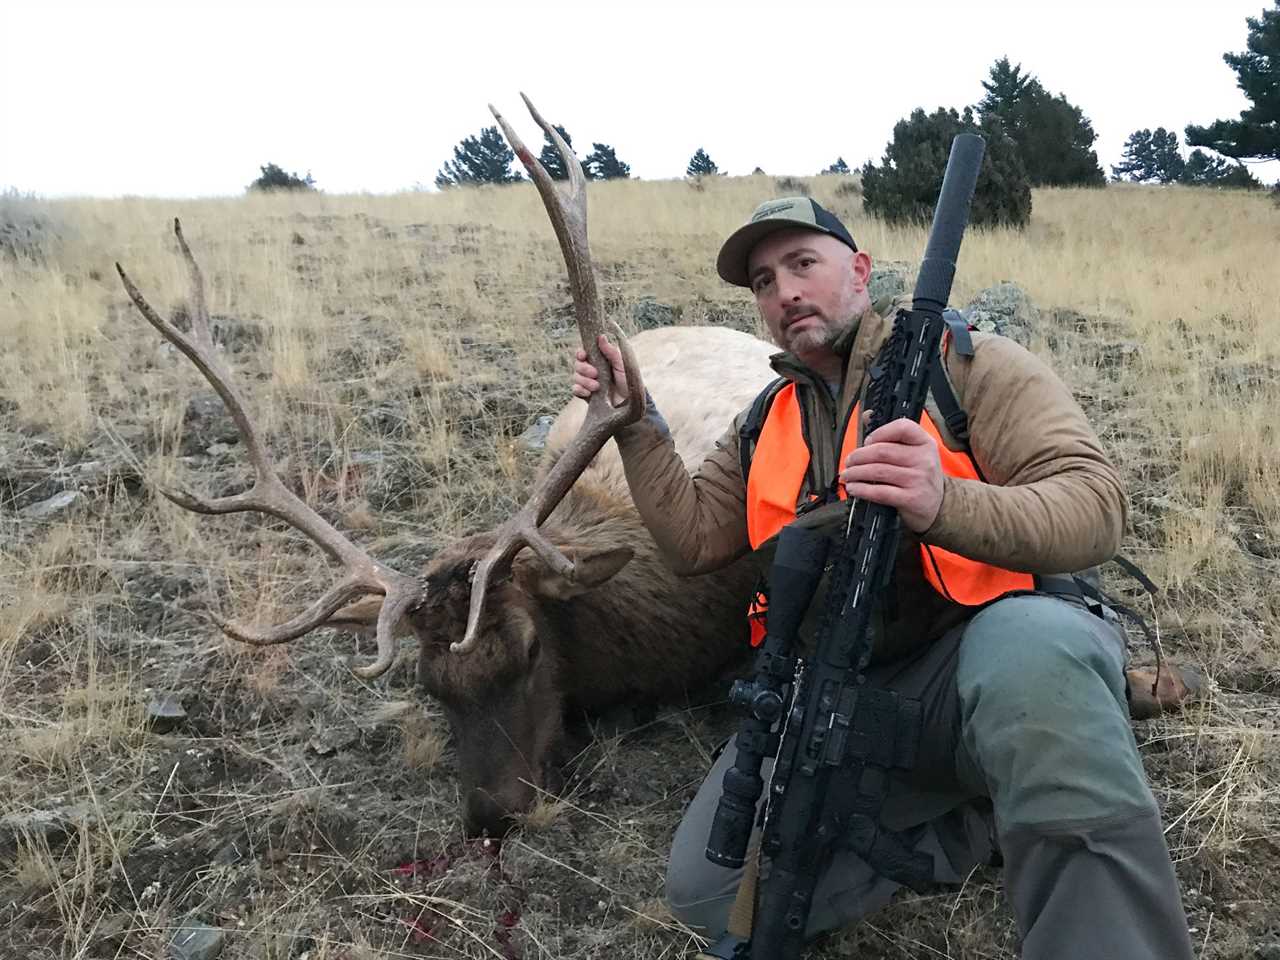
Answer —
640 633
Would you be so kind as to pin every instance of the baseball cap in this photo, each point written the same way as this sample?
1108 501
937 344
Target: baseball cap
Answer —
784 213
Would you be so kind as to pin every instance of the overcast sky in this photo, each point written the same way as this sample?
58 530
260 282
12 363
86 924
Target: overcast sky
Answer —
181 98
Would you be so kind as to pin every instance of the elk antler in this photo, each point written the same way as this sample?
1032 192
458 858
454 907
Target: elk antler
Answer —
364 575
567 206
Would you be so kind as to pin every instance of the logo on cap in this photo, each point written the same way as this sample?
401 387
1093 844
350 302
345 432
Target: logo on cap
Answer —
766 210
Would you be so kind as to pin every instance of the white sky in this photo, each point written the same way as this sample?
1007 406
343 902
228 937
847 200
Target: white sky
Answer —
181 98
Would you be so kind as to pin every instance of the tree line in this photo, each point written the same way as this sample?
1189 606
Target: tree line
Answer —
1035 138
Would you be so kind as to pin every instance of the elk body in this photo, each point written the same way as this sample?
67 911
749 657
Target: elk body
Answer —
567 604
627 629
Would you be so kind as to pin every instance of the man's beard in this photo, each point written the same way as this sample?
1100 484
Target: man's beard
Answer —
815 337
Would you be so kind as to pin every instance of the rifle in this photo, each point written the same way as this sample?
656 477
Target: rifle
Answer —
834 738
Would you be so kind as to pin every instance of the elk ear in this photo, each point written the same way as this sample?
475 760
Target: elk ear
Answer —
361 617
592 567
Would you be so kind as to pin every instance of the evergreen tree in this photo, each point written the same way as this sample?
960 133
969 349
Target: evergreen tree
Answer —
1138 158
1168 162
482 159
1053 136
1256 135
1208 171
550 156
1151 155
1006 86
602 163
274 178
700 165
904 188
838 167
1202 169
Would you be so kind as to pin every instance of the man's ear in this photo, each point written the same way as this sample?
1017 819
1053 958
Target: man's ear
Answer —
591 567
861 265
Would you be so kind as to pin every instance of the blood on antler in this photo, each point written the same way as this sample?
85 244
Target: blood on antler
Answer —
363 574
566 205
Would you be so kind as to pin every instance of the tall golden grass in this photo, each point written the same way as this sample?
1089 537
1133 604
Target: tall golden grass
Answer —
1158 306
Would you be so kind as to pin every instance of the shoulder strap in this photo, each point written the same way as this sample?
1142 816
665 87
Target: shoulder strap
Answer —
943 405
749 432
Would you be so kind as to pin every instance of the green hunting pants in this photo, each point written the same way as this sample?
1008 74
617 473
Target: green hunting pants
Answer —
1026 749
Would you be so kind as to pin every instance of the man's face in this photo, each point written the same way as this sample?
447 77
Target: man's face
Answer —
809 289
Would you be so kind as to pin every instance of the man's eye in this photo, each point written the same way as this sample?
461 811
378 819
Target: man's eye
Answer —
807 262
761 283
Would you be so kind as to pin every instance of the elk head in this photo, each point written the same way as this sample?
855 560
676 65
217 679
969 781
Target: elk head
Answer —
498 681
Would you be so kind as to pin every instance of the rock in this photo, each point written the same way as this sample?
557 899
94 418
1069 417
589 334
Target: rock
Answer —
1119 353
330 740
52 824
36 653
1004 309
165 712
228 854
51 507
197 941
885 283
1244 377
648 313
206 422
205 406
25 231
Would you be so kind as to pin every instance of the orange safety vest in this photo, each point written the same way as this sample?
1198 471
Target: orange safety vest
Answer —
778 467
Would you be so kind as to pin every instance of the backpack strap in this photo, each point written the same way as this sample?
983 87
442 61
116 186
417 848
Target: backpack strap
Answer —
942 403
749 432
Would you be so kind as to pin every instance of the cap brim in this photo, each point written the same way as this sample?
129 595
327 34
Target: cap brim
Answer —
731 263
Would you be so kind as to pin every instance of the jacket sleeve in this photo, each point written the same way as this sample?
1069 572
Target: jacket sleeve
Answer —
1054 503
698 520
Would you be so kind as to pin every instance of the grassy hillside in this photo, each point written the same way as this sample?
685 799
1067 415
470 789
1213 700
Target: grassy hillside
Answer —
394 349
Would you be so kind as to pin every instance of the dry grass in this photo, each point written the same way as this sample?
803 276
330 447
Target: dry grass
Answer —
393 348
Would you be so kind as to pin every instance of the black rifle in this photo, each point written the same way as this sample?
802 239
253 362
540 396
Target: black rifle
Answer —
834 738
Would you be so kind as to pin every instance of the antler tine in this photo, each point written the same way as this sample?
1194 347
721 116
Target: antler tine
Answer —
567 207
200 321
269 495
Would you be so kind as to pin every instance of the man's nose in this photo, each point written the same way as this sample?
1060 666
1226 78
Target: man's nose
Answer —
788 289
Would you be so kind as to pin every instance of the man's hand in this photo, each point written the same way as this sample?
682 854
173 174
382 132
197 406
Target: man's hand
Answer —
898 465
586 378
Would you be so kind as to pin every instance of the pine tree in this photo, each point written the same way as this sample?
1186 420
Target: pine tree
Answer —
838 167
1151 155
482 159
1138 158
1053 136
1006 86
274 178
700 165
1205 170
1168 162
1256 135
904 187
602 163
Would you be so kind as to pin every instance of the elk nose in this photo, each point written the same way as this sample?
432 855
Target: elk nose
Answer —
486 816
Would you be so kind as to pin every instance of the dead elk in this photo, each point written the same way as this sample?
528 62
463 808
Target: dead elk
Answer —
566 605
